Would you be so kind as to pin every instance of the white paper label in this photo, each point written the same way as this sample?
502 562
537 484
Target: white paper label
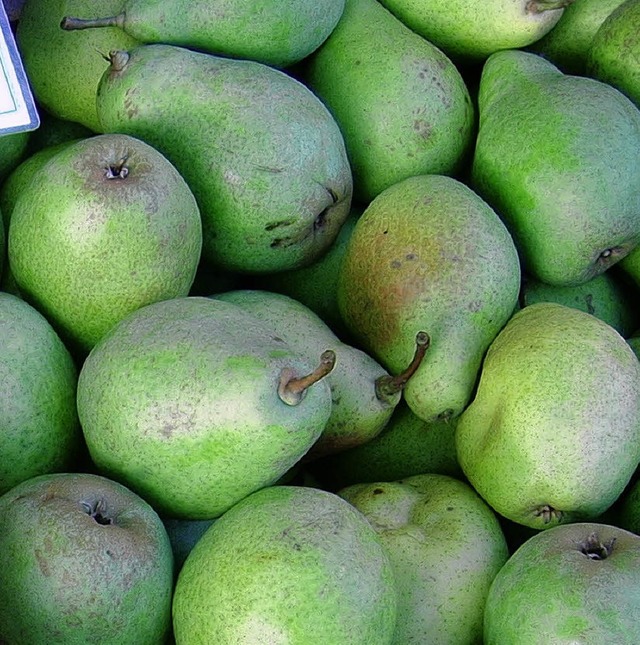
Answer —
17 107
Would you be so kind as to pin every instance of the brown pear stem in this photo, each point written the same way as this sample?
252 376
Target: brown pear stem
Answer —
291 388
71 24
538 6
387 386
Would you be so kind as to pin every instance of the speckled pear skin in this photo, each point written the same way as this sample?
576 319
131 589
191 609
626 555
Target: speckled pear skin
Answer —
445 545
262 154
556 156
287 566
401 103
82 559
428 254
553 434
87 248
39 428
552 591
180 402
357 414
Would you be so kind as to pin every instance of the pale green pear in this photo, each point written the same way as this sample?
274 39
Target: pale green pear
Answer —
363 394
287 565
428 254
468 29
614 55
556 156
553 433
262 154
606 296
402 105
64 68
406 446
446 547
275 32
567 44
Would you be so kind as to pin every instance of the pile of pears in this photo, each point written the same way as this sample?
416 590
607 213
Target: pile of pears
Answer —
328 285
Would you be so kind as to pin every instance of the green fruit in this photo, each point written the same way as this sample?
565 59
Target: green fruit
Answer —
571 584
406 446
467 30
262 154
428 254
567 44
106 226
12 150
630 266
194 403
82 560
64 68
556 157
615 51
401 103
553 434
605 296
39 428
287 565
446 547
53 130
275 32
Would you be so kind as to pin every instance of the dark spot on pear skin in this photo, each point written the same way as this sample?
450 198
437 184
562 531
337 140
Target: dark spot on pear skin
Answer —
377 491
396 264
589 301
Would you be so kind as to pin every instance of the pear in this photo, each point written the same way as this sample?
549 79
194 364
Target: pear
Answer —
54 130
262 154
287 565
553 433
196 403
363 394
567 44
274 32
13 148
406 446
556 156
615 50
446 547
428 254
401 103
606 296
630 266
64 68
106 226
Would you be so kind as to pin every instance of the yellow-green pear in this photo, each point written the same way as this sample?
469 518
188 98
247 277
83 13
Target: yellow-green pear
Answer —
553 433
428 254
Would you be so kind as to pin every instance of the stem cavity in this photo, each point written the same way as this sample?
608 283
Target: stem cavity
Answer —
291 388
594 549
387 387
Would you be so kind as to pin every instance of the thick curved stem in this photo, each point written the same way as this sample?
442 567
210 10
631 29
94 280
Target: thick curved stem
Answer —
291 388
71 24
387 387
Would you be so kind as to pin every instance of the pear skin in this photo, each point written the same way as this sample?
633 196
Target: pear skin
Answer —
553 433
429 254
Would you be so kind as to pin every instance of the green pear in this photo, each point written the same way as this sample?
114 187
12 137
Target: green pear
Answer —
429 254
64 68
275 32
406 446
287 565
571 584
615 50
363 394
446 547
553 433
466 29
39 428
606 296
556 156
401 103
630 266
13 148
195 403
262 154
567 44
106 226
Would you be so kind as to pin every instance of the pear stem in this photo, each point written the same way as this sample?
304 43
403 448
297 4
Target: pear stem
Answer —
71 24
387 386
291 388
538 6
